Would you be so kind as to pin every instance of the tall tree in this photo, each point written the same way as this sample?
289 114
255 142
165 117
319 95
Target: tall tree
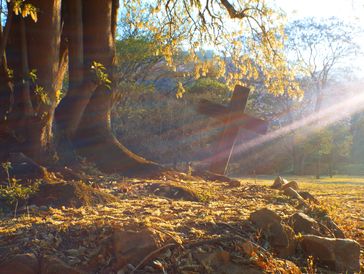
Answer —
42 38
319 50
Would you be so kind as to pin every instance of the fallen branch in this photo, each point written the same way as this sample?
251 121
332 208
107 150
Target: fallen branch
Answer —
153 255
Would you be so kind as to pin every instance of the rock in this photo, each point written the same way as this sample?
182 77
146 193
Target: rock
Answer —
301 223
21 264
235 183
280 237
173 192
292 184
282 240
130 247
340 255
264 217
307 196
338 233
53 265
279 182
293 194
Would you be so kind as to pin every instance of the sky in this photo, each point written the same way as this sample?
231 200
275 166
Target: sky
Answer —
348 10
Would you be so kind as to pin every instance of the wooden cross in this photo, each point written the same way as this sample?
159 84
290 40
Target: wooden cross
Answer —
232 118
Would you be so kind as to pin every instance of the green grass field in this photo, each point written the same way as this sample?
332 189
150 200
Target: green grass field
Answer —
342 196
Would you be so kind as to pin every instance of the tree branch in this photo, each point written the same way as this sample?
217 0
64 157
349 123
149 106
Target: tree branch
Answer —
232 11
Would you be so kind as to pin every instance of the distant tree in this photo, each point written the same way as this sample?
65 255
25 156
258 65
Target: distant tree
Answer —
357 129
320 51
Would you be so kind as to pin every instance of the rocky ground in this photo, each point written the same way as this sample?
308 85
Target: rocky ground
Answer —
186 224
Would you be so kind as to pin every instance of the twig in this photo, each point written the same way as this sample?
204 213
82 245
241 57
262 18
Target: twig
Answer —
154 254
16 208
177 242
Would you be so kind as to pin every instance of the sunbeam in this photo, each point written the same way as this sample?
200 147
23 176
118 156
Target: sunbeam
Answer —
310 124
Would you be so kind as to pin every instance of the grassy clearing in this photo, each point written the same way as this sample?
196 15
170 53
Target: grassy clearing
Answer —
342 196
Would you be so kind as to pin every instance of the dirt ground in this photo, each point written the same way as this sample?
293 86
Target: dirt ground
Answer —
216 209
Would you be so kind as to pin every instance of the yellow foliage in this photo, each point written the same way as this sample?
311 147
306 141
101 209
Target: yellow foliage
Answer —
253 45
180 90
25 9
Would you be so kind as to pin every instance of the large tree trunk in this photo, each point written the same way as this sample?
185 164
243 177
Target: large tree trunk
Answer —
94 137
84 114
21 111
44 47
96 141
33 46
72 107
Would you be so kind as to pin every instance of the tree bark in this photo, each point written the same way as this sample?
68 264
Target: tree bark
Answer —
88 35
72 107
44 48
5 90
33 46
22 111
94 138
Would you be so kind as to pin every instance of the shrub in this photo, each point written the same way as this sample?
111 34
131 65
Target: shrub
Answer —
204 85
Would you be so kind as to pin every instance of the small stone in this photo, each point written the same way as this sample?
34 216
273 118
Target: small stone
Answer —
340 255
235 184
283 240
307 196
338 233
294 194
301 223
292 184
174 192
279 182
281 237
132 246
264 217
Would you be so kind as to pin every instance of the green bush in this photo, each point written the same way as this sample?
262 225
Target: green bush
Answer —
12 192
204 85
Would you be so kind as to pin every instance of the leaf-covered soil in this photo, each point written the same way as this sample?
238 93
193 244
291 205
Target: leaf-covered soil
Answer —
206 223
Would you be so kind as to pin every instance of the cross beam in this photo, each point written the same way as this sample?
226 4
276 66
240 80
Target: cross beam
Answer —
232 118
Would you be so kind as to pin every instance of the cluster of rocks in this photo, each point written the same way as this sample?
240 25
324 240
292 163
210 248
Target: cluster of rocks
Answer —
127 247
291 189
322 239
